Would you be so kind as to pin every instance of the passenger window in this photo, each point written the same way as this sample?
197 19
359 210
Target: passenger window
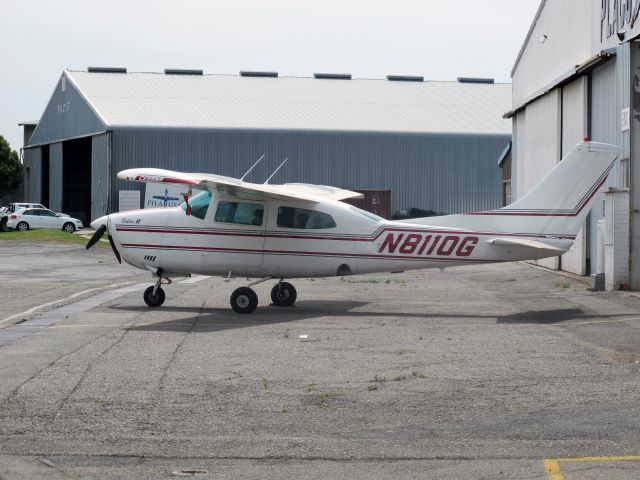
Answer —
199 204
289 217
239 213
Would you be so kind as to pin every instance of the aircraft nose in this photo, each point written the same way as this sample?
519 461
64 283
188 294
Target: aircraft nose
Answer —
99 221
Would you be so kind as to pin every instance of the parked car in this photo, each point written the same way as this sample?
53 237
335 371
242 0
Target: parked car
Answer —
14 207
27 218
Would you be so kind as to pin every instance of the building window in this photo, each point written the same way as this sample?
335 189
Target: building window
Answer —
289 217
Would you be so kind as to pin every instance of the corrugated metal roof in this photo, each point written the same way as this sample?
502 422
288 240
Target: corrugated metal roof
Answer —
293 103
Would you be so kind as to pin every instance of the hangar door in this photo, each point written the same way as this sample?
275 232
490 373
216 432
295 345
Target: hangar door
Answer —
538 148
76 178
574 129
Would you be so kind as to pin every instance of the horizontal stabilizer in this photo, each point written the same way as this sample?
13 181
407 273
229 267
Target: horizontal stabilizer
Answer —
524 243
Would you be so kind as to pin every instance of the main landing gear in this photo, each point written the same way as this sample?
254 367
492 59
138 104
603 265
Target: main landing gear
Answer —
245 300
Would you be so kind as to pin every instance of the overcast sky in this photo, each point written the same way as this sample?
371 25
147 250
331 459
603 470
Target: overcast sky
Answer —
439 39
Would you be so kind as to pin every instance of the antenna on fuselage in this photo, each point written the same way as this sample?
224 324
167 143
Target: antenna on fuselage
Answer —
275 171
241 179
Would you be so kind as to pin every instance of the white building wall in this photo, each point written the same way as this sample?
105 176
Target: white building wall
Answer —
571 39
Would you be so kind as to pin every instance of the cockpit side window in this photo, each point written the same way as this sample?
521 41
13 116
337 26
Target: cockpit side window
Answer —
239 213
199 204
290 217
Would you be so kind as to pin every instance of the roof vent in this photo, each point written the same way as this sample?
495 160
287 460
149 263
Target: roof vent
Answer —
332 76
475 80
106 70
180 71
405 78
245 73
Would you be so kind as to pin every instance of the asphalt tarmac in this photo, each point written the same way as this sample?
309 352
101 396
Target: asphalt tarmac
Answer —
485 372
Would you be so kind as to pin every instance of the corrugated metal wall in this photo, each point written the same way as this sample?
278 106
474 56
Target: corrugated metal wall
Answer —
570 29
68 116
55 177
446 173
610 93
100 160
34 176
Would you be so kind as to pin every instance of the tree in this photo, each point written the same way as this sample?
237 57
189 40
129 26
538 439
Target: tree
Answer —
10 169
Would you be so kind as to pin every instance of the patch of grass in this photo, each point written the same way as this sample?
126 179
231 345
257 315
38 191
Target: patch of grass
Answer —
372 386
265 383
562 284
378 379
417 374
311 387
46 235
399 378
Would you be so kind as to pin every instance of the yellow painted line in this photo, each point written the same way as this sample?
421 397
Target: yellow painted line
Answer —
601 459
552 465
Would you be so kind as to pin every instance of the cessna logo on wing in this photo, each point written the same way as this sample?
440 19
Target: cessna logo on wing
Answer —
149 178
429 244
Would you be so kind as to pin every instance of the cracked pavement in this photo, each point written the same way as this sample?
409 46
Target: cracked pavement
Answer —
474 372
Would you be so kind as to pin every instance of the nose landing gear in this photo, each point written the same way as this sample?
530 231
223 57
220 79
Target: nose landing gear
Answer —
154 295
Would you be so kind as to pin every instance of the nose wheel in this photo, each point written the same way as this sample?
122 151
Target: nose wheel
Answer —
154 299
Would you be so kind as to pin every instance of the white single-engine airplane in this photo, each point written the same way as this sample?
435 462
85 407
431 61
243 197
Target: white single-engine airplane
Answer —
297 230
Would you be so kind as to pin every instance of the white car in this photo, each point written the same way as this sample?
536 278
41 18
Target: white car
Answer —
27 218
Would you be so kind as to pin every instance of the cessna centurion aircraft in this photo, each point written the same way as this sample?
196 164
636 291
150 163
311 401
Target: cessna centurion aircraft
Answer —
296 230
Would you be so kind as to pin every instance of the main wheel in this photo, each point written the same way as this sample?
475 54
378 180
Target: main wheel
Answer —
154 300
69 227
283 294
244 300
22 226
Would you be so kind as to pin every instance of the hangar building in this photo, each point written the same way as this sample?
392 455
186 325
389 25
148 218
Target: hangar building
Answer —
434 145
578 74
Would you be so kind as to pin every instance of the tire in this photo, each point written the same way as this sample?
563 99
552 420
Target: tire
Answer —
154 300
22 226
283 294
69 227
244 300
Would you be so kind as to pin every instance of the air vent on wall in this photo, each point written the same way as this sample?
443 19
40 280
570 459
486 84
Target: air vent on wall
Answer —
405 78
182 71
107 70
332 76
475 80
245 73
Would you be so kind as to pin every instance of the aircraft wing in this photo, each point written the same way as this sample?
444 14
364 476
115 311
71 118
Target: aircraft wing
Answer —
236 187
524 243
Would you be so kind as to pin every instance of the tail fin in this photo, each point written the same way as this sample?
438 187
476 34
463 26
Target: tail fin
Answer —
557 205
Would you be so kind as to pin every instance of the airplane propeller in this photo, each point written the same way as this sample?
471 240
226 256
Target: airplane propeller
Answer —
98 235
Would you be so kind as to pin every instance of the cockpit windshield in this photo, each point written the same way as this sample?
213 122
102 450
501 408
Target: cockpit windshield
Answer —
369 215
199 204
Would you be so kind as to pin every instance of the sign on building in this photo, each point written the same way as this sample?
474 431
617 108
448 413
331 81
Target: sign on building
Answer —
162 196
